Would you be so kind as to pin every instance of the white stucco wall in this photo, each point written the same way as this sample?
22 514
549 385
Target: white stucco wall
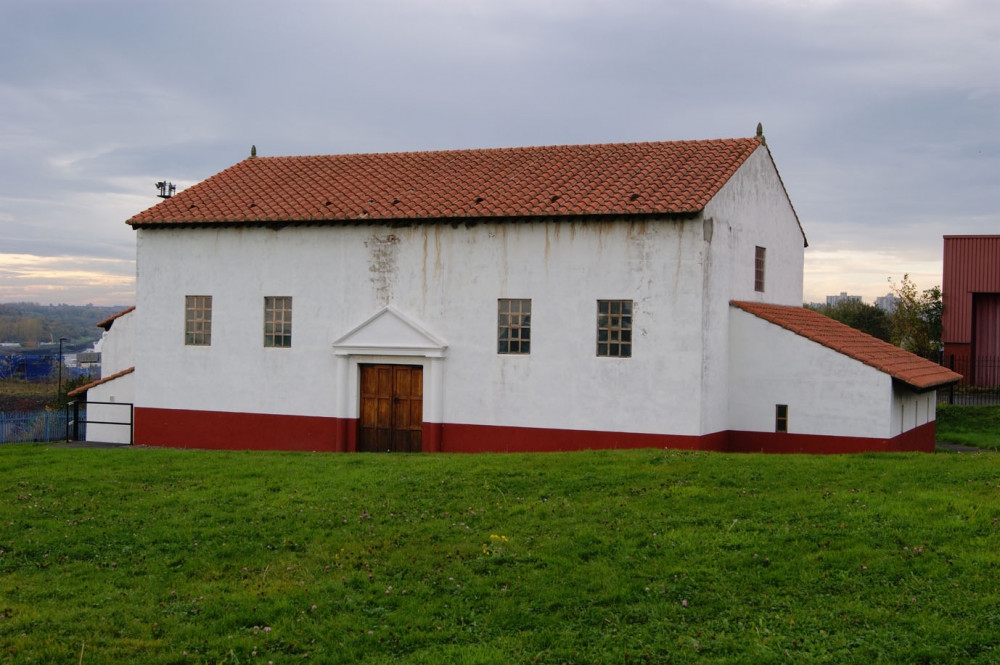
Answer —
120 391
750 210
911 409
447 279
826 392
118 345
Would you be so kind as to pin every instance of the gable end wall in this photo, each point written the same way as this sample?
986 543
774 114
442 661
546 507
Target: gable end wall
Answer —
752 209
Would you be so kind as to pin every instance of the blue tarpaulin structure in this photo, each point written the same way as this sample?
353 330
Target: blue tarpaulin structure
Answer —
28 367
38 367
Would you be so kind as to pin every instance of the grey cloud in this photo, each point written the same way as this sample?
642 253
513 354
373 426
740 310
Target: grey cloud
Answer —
883 117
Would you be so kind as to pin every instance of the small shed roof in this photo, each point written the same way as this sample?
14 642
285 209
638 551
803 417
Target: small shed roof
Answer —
661 178
92 384
918 373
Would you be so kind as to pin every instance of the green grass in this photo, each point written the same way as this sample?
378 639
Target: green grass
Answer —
969 425
165 556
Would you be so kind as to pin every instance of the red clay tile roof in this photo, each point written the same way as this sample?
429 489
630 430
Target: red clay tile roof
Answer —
83 389
108 322
677 177
914 371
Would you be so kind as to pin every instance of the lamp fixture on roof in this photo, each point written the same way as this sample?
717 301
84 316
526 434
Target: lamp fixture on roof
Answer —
167 189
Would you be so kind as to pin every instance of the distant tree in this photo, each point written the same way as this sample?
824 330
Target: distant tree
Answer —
31 323
861 316
916 321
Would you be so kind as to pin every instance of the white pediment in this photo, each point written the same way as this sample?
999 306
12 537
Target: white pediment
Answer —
390 333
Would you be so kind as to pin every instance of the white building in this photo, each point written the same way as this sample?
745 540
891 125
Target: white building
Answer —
525 299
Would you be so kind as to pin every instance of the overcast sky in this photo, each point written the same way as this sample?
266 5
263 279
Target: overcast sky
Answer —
883 116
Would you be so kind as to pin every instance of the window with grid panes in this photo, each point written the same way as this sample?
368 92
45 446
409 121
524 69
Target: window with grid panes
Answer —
514 326
758 272
278 321
614 328
198 320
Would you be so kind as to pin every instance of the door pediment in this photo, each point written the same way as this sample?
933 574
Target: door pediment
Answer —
390 333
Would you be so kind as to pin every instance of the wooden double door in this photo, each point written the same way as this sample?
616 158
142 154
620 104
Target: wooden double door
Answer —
392 408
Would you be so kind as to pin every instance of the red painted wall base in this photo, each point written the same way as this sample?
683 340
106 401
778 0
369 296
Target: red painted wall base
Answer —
920 440
178 428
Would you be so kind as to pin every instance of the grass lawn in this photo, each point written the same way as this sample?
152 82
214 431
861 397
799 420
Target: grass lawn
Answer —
969 425
166 556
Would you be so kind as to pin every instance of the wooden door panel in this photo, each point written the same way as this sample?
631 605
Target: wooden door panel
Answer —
391 413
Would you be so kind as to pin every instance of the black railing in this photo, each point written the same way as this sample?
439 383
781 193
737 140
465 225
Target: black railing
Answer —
980 384
74 421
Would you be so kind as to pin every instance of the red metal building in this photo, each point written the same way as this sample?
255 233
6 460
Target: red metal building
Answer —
971 297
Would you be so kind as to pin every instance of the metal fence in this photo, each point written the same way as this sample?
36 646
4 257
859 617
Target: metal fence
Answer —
27 426
980 384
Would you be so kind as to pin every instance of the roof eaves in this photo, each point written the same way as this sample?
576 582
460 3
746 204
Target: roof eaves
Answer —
400 221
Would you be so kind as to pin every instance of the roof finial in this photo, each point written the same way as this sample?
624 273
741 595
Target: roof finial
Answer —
253 149
760 132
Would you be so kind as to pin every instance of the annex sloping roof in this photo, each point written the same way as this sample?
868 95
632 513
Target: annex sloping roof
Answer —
108 322
673 178
918 373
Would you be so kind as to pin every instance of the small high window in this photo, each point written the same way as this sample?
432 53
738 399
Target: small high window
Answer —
758 273
514 326
780 417
198 320
278 321
614 328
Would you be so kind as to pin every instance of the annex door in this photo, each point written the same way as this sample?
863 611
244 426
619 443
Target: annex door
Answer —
392 414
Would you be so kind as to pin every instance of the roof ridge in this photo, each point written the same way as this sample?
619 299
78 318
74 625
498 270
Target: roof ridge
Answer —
553 146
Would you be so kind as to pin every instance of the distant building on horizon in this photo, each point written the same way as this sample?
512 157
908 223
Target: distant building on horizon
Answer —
833 301
887 303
